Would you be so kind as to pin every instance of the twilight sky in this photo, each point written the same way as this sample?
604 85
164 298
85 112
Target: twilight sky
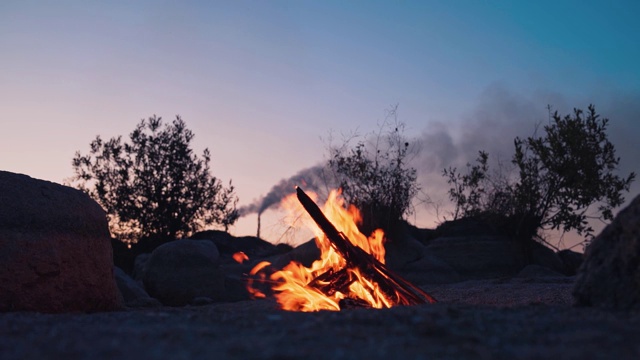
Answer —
262 82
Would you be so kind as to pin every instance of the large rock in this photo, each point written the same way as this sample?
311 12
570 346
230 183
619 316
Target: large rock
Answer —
571 260
183 270
480 257
610 274
55 249
133 294
430 269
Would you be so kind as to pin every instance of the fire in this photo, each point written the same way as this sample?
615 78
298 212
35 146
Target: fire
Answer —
331 282
240 257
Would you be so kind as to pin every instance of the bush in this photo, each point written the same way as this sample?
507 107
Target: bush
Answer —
154 188
374 176
560 176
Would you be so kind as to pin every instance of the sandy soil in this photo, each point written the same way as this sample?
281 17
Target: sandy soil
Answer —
494 319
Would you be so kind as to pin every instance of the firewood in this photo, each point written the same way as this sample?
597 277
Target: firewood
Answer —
391 284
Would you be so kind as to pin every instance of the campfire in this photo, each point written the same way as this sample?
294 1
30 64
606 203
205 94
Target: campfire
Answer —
350 272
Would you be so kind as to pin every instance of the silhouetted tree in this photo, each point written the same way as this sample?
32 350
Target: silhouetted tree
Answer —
154 188
374 176
561 175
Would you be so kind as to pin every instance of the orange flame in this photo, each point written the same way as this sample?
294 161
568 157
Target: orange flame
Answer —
240 257
298 287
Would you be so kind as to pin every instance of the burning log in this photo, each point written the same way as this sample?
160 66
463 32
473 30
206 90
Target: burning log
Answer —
392 285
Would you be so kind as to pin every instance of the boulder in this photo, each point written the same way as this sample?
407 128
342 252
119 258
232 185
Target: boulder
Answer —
571 261
305 253
430 269
610 274
545 257
55 249
480 257
133 294
140 266
228 244
179 271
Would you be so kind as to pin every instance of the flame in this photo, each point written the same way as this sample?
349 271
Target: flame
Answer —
240 257
298 288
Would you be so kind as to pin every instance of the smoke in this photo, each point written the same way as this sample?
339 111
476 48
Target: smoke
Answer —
500 116
314 179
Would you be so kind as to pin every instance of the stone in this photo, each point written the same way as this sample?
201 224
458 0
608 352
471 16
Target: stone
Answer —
610 274
480 257
179 271
571 261
55 249
305 253
140 266
133 294
545 257
430 269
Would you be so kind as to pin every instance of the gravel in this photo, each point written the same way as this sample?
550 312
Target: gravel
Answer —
490 319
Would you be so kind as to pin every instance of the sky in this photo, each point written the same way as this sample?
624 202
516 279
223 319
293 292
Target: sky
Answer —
264 84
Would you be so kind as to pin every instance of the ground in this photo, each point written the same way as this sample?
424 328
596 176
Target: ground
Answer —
490 319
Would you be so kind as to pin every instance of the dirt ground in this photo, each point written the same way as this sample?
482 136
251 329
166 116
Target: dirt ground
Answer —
490 319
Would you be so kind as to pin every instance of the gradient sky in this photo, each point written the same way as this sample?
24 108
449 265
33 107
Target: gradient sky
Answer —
261 82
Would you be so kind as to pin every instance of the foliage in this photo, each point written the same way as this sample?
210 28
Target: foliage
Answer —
561 175
154 187
374 176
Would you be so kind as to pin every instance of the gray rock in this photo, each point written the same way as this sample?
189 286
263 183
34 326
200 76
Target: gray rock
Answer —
480 257
571 261
430 269
610 274
182 270
305 253
402 251
545 257
55 249
133 293
140 266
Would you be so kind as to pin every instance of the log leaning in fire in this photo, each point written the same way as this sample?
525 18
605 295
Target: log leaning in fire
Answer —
391 284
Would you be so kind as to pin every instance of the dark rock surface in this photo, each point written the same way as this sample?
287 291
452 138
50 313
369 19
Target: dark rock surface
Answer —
610 274
55 249
571 261
182 270
480 257
133 294
473 320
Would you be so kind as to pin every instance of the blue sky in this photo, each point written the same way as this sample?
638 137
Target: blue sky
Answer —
260 82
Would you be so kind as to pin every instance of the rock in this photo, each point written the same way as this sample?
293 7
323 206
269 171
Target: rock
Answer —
610 274
133 293
140 266
430 270
544 256
480 257
402 251
571 261
182 270
55 249
228 244
535 271
305 253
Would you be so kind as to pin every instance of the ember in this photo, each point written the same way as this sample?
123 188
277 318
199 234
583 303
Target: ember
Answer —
350 272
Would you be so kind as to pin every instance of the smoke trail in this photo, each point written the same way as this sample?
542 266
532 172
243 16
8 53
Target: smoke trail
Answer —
502 115
314 178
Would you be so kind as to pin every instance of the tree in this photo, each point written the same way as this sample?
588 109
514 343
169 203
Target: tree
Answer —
561 175
154 188
374 176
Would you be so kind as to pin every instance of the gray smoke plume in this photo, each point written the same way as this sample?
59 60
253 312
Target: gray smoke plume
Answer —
314 179
500 116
